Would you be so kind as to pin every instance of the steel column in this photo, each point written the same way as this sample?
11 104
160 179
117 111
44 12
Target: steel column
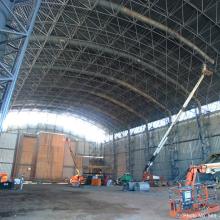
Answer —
115 168
204 142
10 75
129 151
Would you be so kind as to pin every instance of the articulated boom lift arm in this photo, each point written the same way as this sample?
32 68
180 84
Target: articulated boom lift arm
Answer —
77 179
211 168
73 157
205 72
74 161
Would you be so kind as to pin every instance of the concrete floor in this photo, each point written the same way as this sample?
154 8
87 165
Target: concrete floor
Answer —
47 202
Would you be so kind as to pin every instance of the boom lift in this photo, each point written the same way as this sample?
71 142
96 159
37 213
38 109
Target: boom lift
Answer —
77 179
194 200
205 72
191 200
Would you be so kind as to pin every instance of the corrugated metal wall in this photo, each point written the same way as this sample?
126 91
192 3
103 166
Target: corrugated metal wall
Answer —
50 156
8 143
28 147
122 157
68 164
185 140
26 157
108 154
46 156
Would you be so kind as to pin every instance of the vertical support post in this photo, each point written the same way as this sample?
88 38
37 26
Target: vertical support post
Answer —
129 151
147 143
173 153
114 158
14 72
204 143
14 168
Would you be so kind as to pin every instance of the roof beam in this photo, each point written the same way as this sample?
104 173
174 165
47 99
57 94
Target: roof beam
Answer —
109 78
77 104
103 96
92 118
116 52
155 24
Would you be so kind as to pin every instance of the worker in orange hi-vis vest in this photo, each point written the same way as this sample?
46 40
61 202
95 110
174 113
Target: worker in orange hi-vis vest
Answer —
3 177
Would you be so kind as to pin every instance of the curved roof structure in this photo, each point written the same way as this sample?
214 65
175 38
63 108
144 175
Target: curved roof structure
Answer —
120 63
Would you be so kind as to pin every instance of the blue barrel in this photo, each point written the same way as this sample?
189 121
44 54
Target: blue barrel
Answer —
131 186
142 186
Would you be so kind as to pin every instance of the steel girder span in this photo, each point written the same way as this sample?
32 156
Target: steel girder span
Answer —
16 24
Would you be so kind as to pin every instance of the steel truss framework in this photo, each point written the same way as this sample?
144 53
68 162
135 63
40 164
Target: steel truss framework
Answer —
16 24
120 63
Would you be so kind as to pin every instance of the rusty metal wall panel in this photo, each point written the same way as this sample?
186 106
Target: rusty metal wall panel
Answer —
57 159
50 156
28 149
24 170
43 161
26 157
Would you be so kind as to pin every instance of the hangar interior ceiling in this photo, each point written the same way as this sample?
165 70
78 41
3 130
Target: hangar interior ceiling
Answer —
109 61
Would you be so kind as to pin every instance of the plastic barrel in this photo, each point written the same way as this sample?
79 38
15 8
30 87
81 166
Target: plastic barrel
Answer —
131 186
142 186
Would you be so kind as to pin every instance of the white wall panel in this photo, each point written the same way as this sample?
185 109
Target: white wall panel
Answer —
7 149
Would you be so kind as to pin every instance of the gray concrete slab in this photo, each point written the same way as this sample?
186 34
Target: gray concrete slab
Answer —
47 202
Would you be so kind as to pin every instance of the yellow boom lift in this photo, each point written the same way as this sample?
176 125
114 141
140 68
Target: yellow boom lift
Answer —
77 179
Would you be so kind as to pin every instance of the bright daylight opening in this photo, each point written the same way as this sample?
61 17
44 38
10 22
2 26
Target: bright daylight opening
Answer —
69 123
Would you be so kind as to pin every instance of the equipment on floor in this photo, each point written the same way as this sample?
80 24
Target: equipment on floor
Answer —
152 179
4 182
129 185
205 72
3 177
194 199
124 179
142 187
76 180
96 181
6 185
137 186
